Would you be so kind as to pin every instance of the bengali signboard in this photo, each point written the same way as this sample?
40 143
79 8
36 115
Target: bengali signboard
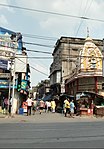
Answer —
3 64
4 75
4 84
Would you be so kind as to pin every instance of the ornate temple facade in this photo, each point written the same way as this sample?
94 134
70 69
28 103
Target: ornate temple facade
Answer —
87 76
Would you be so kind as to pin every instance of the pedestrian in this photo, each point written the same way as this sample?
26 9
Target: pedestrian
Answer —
53 106
64 108
46 108
10 108
6 105
49 106
72 106
41 106
34 106
67 107
29 105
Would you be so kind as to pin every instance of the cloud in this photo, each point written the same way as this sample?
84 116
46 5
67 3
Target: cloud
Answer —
3 20
7 2
57 25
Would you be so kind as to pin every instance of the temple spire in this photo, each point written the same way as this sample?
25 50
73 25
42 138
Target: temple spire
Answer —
87 32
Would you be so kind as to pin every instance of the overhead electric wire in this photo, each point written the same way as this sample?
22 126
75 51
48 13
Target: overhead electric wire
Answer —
38 57
88 68
39 51
28 50
40 37
85 12
35 36
63 56
34 68
37 44
52 13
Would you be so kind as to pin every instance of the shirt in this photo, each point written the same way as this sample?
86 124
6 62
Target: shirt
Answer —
29 102
41 103
67 104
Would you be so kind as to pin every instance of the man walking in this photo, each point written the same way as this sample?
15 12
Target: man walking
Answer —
41 106
67 107
29 105
72 106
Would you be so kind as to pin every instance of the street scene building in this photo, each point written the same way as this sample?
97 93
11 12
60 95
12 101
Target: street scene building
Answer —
77 67
76 70
73 57
14 69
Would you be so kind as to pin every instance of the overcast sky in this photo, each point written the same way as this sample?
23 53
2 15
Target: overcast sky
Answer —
50 25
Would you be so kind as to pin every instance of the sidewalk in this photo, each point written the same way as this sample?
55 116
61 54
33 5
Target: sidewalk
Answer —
47 118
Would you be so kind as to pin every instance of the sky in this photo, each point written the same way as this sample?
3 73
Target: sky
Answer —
42 28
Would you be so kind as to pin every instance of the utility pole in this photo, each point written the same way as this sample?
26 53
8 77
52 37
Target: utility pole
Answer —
9 93
103 60
13 86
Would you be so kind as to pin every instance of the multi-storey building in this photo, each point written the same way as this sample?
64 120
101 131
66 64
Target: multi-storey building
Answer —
14 69
67 62
43 88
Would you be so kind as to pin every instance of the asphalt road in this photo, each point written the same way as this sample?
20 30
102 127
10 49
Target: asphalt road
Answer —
51 131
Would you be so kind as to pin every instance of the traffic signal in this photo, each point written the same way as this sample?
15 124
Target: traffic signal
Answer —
18 87
19 82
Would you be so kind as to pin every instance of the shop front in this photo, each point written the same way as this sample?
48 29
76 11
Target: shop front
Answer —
89 103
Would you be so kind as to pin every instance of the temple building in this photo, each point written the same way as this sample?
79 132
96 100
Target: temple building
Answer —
87 76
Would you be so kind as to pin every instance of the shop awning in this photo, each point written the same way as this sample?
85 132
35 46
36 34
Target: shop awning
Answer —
47 97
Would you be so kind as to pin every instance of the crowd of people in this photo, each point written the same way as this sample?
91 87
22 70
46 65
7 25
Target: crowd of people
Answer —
50 106
69 106
40 105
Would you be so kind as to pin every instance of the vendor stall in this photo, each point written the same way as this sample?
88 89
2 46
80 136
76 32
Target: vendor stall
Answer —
90 103
99 111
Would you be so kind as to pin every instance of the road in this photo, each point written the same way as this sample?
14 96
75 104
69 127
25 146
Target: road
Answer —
51 131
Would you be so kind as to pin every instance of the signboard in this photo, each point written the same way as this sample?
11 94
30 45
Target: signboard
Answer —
23 84
4 84
20 63
3 64
4 75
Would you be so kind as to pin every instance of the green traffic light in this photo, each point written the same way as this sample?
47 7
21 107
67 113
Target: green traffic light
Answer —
19 87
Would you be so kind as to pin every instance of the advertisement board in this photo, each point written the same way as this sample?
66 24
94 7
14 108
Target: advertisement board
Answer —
20 63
